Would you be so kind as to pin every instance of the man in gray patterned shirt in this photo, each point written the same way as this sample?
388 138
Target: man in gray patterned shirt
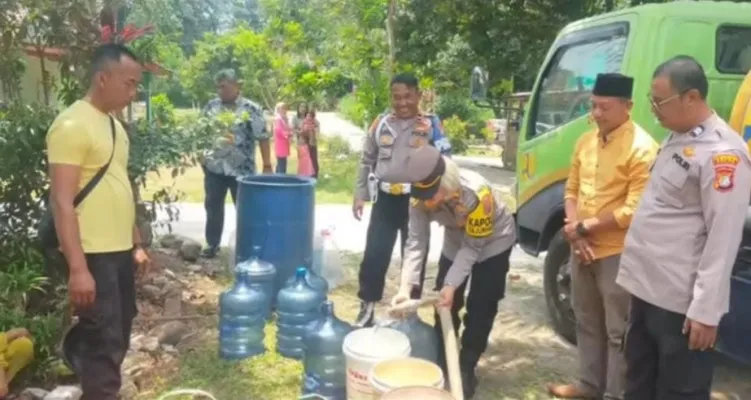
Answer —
234 153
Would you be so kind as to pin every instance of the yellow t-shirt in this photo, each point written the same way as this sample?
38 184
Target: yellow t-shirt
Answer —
81 135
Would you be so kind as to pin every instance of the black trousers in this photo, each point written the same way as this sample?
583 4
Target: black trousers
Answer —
216 187
389 216
487 288
660 365
102 336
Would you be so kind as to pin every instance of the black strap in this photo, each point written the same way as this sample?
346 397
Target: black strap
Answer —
81 196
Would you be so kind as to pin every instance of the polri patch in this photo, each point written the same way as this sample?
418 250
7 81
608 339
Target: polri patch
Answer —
386 139
689 151
724 171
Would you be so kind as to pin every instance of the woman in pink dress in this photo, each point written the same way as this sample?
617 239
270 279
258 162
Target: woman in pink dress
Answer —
307 136
282 135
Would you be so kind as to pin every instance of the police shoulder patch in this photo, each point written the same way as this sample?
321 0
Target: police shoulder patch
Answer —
724 165
480 220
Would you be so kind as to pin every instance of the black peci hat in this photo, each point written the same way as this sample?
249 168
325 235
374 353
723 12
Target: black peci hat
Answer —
613 85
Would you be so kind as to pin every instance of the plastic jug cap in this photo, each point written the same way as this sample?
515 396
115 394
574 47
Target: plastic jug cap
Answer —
301 272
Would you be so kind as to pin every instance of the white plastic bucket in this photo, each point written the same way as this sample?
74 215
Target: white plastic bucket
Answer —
404 372
417 392
363 349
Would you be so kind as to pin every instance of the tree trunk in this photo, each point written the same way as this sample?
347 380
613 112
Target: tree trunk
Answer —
45 77
390 26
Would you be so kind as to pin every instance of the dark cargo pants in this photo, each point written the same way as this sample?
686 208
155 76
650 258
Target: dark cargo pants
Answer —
101 338
216 187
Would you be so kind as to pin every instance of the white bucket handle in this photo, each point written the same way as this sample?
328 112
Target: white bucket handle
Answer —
187 391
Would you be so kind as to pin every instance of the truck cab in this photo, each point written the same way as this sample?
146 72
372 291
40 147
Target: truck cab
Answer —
634 42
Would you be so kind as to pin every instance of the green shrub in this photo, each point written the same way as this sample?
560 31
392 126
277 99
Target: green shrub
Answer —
352 111
459 105
456 130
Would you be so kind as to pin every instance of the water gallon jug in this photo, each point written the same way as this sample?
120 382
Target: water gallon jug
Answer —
241 319
422 337
297 305
315 281
262 275
325 372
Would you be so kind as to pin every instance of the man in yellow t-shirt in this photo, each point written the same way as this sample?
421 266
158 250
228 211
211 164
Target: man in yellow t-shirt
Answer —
98 237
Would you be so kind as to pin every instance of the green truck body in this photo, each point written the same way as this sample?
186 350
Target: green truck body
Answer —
634 42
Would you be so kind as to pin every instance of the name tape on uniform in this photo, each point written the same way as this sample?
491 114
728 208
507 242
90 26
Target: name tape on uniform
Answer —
480 220
724 171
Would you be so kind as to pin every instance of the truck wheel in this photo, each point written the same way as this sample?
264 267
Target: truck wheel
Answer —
557 286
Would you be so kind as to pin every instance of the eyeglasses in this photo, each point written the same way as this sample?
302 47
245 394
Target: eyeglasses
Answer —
657 104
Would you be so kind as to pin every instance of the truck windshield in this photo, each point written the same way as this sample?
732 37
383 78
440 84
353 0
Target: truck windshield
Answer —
570 74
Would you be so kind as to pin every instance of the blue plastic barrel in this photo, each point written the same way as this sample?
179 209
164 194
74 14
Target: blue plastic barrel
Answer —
277 213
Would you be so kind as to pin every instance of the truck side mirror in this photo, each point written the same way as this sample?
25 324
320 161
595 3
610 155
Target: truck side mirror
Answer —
478 85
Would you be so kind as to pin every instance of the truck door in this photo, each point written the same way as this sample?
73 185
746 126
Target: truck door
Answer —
557 117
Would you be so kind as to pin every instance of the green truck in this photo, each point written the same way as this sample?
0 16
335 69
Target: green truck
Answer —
634 42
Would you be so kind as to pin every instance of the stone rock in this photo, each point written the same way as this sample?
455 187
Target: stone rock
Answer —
128 389
170 333
169 274
160 281
34 394
135 362
170 349
173 299
190 250
194 268
150 344
65 393
136 342
171 241
151 292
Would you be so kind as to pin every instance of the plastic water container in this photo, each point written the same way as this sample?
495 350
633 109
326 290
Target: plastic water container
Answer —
325 372
262 274
297 306
326 259
405 372
315 281
364 348
277 213
241 319
422 337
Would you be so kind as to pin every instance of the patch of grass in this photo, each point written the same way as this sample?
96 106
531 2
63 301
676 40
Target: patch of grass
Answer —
265 377
334 186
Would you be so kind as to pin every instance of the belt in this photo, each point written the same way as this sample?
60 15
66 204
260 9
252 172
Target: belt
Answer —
395 188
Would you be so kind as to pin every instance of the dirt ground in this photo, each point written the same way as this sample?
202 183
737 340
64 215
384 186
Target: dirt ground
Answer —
524 353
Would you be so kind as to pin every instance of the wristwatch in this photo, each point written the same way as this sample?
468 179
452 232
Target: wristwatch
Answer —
581 230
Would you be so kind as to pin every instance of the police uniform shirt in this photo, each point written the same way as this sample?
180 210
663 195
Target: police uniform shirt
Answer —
684 237
477 226
387 146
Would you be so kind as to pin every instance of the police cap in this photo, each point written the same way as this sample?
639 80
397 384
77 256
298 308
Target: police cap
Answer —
425 167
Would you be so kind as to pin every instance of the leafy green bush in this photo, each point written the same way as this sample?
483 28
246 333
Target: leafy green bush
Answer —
352 111
459 105
456 130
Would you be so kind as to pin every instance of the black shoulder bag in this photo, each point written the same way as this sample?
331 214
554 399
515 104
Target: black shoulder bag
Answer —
47 232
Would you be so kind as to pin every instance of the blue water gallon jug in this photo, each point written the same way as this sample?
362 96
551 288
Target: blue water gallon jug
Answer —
313 279
297 306
262 275
325 371
422 337
241 319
